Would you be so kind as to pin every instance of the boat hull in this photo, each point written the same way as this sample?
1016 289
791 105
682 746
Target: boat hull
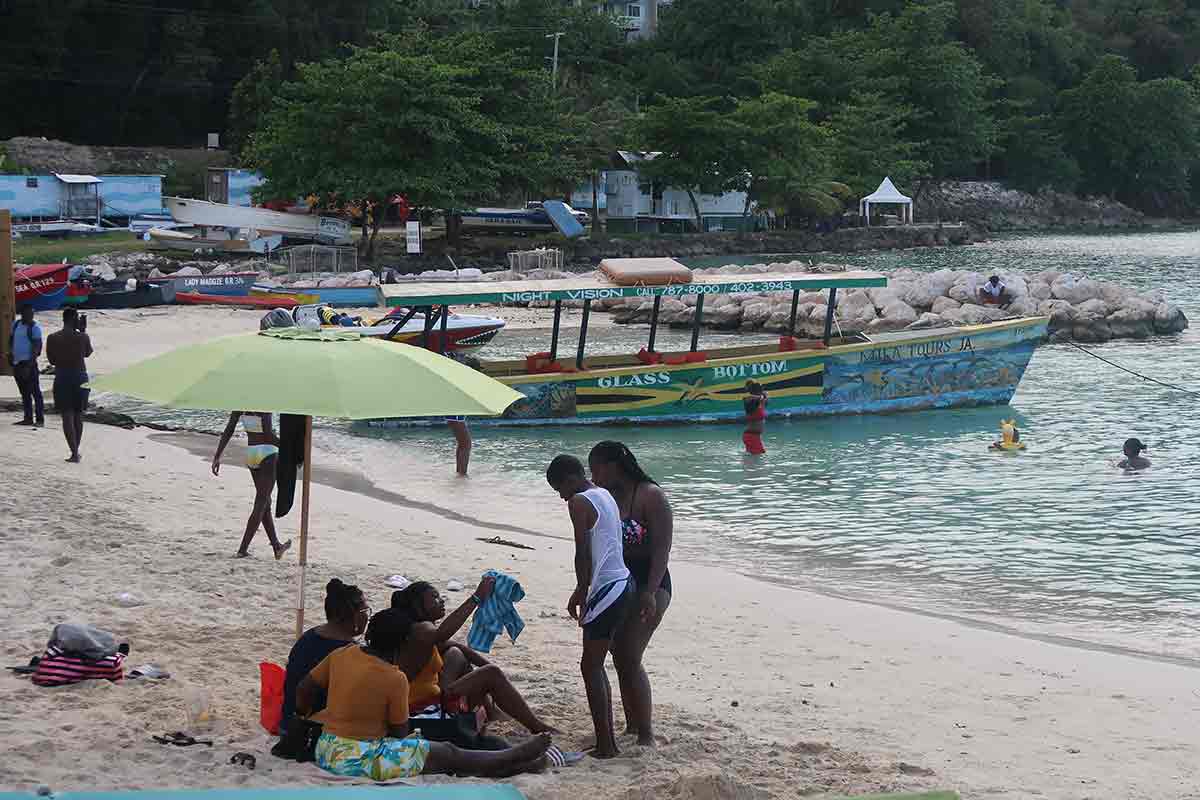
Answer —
239 301
233 284
338 296
42 287
970 366
148 295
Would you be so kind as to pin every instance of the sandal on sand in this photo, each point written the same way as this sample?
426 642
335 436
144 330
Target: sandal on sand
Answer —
180 739
283 548
558 758
243 760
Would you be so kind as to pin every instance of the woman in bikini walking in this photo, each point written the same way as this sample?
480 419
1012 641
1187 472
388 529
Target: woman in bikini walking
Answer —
646 528
261 454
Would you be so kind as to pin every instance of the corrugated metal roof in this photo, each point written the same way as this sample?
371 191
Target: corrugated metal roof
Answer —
78 178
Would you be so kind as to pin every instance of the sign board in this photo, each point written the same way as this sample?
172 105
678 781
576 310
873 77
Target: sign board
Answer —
412 236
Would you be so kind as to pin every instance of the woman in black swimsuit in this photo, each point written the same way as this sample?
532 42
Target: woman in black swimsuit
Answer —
646 527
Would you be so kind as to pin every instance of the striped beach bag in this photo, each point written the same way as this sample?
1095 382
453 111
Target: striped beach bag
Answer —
57 668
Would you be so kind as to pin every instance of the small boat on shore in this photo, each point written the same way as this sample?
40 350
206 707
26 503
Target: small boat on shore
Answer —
533 218
229 284
238 301
339 296
119 295
41 286
443 331
853 374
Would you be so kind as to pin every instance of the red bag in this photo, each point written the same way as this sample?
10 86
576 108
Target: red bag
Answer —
270 712
56 668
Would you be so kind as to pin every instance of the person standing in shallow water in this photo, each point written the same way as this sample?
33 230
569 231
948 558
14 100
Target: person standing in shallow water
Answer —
68 350
647 528
1133 460
755 406
262 453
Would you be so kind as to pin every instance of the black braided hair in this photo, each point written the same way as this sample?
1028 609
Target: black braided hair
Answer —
562 467
609 452
387 631
408 600
341 601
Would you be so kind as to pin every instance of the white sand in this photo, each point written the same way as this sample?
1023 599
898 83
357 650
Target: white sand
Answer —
833 695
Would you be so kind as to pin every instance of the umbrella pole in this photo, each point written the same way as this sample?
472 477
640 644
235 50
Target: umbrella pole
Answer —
308 421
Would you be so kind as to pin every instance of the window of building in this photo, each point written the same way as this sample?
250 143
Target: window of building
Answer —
31 183
633 10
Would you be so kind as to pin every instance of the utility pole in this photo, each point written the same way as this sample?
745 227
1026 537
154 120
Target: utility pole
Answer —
554 60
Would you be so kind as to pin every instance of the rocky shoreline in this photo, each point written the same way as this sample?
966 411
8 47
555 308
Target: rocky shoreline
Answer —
1079 308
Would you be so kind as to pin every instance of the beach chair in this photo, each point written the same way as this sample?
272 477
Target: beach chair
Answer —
440 792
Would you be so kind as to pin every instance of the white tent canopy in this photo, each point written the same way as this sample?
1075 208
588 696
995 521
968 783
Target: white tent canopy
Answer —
887 194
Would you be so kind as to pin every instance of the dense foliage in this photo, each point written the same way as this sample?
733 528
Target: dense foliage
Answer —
788 99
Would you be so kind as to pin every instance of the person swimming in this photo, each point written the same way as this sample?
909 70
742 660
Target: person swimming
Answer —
755 405
1133 460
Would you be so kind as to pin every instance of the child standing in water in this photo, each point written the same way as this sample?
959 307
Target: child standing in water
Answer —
603 588
756 417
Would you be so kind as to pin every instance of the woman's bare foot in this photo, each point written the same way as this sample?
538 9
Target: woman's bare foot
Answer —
242 554
74 458
280 549
606 754
646 741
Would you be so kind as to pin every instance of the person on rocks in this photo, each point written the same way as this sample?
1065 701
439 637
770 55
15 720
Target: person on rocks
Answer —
995 293
1133 461
67 350
25 345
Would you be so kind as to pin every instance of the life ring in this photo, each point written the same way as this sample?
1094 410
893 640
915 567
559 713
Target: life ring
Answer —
1006 447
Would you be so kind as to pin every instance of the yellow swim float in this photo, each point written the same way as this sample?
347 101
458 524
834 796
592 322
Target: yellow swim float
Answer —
1010 438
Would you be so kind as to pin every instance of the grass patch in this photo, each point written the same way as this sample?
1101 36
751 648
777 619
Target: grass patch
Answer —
39 250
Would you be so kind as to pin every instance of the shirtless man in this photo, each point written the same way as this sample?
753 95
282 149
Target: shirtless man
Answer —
66 350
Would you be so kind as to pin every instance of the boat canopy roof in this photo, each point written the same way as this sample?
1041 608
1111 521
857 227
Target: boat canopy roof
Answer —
593 287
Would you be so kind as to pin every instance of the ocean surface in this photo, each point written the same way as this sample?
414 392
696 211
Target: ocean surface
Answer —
910 509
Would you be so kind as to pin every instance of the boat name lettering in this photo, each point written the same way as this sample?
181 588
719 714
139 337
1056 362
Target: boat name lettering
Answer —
749 370
618 381
523 297
212 280
937 347
594 294
36 283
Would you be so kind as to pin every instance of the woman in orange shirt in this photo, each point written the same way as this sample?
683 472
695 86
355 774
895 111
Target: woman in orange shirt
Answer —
365 719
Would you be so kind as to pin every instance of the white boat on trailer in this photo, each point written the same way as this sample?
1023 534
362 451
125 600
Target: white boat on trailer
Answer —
202 213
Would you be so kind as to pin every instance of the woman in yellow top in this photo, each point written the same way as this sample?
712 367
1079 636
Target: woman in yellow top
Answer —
365 719
262 452
434 664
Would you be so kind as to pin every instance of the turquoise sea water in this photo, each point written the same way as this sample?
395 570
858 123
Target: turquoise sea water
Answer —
912 509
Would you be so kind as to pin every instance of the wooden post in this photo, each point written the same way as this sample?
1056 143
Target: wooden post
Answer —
554 333
829 314
8 311
654 321
795 309
583 323
697 317
308 465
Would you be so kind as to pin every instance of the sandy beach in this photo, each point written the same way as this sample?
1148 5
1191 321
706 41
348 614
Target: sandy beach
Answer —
761 691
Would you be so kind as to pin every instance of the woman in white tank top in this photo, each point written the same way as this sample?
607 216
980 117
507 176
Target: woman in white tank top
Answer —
603 587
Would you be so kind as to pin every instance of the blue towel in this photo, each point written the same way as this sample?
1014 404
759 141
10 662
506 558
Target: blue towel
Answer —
498 613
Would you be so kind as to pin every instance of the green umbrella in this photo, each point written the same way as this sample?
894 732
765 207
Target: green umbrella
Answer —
313 373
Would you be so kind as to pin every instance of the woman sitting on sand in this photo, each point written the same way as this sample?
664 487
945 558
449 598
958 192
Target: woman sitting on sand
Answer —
261 455
366 731
346 612
647 528
435 665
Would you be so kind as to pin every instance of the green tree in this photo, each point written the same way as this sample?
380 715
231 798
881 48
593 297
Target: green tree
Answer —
252 100
870 140
782 153
696 141
362 128
1097 123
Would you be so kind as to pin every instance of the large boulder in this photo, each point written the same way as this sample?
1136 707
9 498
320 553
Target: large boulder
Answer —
1169 319
1091 330
1076 291
727 317
1061 313
966 287
756 314
927 320
971 314
856 311
1025 306
779 320
943 304
1089 309
901 312
189 272
882 297
1039 290
1131 323
925 289
887 324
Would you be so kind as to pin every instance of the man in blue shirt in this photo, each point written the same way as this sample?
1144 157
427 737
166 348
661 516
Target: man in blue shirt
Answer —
26 346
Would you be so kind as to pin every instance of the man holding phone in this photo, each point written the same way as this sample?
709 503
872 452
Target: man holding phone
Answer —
66 350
